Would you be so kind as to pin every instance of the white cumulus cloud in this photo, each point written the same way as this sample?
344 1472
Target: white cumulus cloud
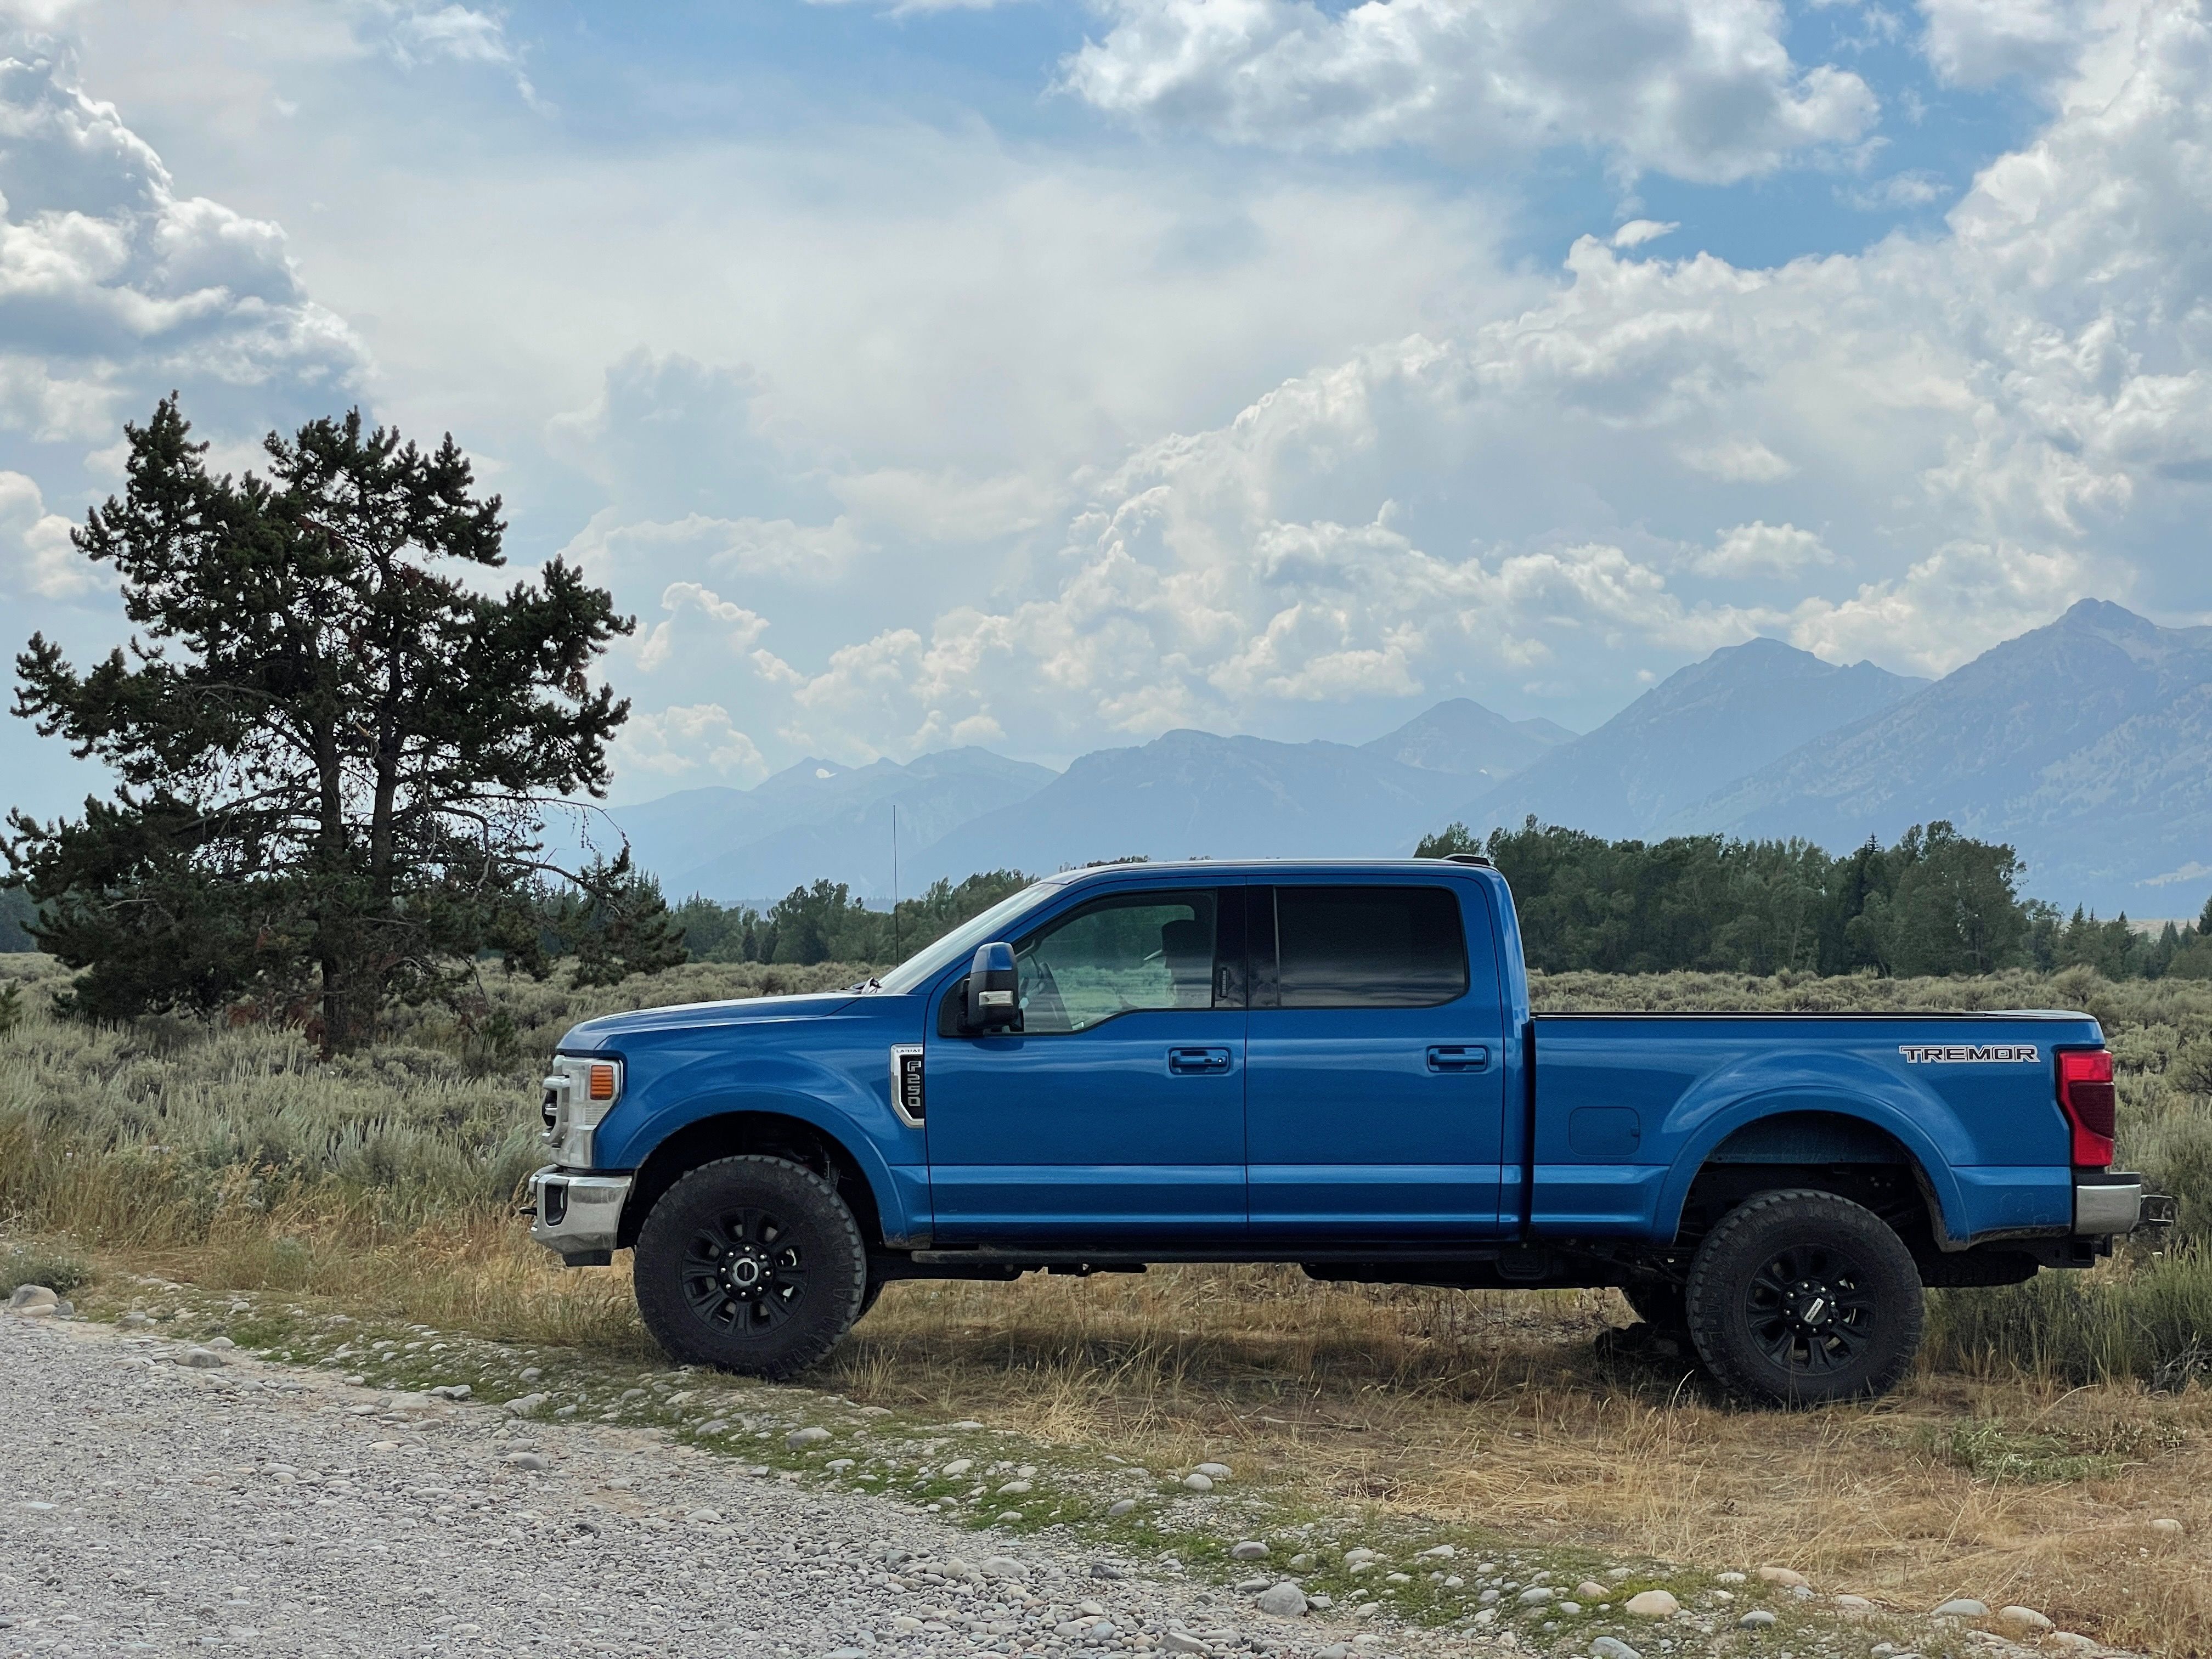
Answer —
1701 89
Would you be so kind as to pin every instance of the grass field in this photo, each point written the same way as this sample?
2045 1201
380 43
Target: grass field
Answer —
2048 1424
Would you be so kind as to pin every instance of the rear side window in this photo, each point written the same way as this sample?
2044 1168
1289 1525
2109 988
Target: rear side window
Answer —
1368 947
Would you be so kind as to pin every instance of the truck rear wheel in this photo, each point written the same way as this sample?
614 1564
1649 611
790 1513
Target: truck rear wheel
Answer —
752 1265
1800 1297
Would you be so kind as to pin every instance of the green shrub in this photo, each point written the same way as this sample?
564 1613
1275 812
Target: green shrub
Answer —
60 1270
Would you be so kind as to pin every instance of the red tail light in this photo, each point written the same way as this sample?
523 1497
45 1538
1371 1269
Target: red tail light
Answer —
2087 1095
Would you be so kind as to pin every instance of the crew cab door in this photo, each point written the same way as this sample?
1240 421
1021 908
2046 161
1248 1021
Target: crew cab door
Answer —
1375 1085
1117 1113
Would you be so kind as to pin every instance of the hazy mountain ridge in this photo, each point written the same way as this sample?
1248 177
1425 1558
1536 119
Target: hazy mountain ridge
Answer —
2087 743
1692 733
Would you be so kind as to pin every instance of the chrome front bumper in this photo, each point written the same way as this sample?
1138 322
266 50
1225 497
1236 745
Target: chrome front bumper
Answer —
2105 1205
577 1215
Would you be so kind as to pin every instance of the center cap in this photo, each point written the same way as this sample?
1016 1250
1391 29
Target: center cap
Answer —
744 1272
1813 1305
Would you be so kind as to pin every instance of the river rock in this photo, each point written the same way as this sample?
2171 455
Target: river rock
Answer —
200 1359
1213 1471
1788 1577
2023 1623
27 1297
1283 1601
1963 1607
1198 1482
1612 1647
812 1435
1250 1550
1652 1604
1757 1619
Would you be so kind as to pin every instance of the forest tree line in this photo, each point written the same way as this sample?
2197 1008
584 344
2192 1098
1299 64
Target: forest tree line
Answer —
1933 902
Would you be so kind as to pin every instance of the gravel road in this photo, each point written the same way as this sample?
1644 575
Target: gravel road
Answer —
146 1507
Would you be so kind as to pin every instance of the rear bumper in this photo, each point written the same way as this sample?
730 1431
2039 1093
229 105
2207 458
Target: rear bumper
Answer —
576 1215
2115 1202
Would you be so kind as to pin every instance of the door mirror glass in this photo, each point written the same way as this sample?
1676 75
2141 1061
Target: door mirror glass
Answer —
993 1002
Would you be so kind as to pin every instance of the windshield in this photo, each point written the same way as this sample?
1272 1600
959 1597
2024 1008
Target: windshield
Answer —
960 942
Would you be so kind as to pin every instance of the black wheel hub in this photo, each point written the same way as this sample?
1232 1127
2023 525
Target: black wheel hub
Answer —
743 1272
1809 1310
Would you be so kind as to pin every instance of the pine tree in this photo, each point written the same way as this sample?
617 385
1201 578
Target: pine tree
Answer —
335 744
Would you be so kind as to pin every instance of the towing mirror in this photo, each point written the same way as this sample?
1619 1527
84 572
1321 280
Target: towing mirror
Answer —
993 1004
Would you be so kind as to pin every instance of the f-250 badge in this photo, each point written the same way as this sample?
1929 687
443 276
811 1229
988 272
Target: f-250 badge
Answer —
1961 1054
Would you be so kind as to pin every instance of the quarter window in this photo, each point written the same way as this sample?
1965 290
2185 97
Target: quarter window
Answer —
1118 956
1368 947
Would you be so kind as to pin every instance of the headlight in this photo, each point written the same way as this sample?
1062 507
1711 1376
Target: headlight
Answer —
580 1092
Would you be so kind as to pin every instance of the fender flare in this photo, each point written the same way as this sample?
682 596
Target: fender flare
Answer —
1937 1183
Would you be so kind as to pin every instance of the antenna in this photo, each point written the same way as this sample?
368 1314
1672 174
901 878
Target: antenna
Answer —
894 885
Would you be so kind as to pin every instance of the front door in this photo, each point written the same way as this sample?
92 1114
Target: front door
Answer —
1117 1113
1375 1095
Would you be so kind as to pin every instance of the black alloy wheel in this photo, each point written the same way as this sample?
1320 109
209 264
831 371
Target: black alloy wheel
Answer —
1802 1297
750 1264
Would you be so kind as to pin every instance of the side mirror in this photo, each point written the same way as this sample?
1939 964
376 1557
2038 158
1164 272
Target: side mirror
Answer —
993 1004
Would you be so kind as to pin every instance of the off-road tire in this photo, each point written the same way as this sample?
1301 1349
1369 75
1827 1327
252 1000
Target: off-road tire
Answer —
868 1298
1801 1298
1659 1304
751 1265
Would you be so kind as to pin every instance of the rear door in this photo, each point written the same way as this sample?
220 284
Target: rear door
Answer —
1375 1065
1117 1113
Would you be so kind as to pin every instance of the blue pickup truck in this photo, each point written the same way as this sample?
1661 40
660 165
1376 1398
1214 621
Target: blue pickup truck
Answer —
1333 1065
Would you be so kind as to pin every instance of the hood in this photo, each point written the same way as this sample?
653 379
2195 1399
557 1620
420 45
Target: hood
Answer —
610 1028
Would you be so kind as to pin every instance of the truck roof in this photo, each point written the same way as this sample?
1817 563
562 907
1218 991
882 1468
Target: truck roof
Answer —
1217 868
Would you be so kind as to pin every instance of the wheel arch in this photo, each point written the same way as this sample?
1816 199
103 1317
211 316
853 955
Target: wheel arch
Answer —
1834 1145
767 1134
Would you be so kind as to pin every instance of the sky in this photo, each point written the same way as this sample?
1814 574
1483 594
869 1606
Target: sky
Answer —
1047 375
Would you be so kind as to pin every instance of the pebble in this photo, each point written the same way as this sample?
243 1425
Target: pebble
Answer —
1004 1567
522 1404
1198 1482
1854 1606
2168 1524
1612 1647
1652 1604
1121 1507
2022 1623
965 1423
1011 1489
1788 1577
1252 1586
1757 1619
1536 1595
811 1436
447 1391
1334 1650
1181 1641
526 1460
1355 1557
1963 1607
1590 1591
226 1345
1441 1552
1727 1578
1213 1471
1251 1549
200 1359
1283 1601
957 1466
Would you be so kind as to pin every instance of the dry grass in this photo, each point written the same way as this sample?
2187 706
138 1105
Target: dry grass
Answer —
381 1185
1495 1410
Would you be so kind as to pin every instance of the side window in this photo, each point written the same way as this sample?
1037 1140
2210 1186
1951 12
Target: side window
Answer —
1137 951
1368 947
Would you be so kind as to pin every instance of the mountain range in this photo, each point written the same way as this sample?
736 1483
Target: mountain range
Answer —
2086 744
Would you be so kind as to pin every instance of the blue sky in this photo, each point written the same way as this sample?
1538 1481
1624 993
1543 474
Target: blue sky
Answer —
1046 375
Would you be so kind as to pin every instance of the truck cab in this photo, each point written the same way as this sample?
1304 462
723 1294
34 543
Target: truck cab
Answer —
1333 1065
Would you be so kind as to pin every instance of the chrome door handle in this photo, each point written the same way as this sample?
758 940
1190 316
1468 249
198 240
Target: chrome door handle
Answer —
1198 1062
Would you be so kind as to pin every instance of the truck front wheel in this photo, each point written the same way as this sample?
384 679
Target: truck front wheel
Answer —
1800 1297
752 1265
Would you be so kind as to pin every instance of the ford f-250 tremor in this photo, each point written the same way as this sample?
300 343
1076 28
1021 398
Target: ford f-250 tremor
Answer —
1333 1065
